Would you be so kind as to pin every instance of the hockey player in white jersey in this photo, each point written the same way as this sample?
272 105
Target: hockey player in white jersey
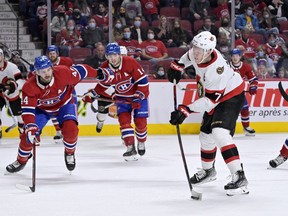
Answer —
221 97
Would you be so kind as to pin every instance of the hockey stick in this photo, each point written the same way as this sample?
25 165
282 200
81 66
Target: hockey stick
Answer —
101 108
33 187
194 195
13 117
107 100
282 91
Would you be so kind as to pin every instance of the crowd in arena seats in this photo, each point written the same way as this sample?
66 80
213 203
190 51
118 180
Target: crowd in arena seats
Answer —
156 31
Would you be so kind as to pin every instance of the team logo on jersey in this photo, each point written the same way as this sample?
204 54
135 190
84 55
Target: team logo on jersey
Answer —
220 70
200 89
124 86
48 102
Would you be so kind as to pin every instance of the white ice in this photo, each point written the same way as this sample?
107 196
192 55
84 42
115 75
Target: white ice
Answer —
103 184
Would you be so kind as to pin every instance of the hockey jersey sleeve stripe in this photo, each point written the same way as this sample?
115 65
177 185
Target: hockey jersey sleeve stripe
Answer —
81 70
142 80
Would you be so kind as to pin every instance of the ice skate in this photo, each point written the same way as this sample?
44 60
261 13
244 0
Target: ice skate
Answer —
277 161
15 167
204 176
58 137
130 154
249 131
238 185
70 161
141 148
99 126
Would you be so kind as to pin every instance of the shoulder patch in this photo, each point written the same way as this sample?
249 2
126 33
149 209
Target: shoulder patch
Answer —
220 70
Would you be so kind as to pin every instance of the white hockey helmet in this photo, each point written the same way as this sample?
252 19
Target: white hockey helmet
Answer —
205 40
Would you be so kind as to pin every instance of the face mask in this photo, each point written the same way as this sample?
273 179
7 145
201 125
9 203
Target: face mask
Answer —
266 16
150 36
249 12
118 25
92 25
127 35
225 23
137 23
70 28
61 19
160 73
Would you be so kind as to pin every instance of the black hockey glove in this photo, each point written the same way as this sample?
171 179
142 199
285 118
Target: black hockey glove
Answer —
2 87
175 70
178 116
105 75
12 86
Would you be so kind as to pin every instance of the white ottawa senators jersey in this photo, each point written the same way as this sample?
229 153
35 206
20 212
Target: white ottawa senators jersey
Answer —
216 81
9 70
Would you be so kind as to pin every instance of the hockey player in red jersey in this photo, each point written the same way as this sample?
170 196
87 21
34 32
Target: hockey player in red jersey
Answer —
246 72
131 93
53 55
221 97
9 74
50 94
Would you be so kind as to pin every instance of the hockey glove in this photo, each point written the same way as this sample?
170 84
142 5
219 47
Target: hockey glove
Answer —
174 72
178 116
89 96
2 87
12 86
105 75
137 99
31 131
253 89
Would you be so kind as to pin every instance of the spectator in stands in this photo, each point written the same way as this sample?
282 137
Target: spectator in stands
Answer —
269 23
92 35
59 21
98 58
80 21
121 14
152 49
85 10
278 8
250 21
150 10
209 26
262 72
163 32
133 8
160 73
223 45
70 38
37 16
137 32
258 8
117 30
238 7
283 73
180 36
198 9
15 58
102 17
171 3
222 10
68 5
132 46
226 28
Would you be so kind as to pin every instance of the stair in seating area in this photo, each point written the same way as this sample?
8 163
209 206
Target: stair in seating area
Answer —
8 33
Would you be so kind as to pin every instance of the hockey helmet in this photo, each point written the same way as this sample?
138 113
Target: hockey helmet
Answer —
112 48
42 62
52 48
235 51
205 40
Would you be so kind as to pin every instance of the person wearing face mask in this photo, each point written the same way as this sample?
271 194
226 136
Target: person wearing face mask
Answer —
133 47
133 8
137 32
80 21
269 23
160 73
152 49
59 21
179 35
117 30
249 20
92 35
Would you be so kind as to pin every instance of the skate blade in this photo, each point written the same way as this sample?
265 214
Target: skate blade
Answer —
131 158
238 191
57 141
249 134
206 181
8 173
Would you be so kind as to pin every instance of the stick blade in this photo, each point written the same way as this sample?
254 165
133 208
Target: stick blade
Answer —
25 188
196 195
10 128
282 91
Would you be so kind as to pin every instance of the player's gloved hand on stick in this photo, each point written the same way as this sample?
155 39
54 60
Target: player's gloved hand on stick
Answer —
136 101
89 96
105 75
179 115
253 89
174 72
12 86
31 131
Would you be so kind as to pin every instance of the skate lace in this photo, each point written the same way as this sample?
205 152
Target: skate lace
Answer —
201 173
280 159
141 145
100 124
70 159
16 164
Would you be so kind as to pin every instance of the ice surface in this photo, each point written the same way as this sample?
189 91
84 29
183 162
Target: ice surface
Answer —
103 184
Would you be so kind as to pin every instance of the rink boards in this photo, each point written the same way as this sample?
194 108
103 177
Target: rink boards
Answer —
268 110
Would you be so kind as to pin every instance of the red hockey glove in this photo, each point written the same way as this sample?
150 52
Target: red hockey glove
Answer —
175 70
105 75
31 131
12 86
253 89
178 116
137 99
89 96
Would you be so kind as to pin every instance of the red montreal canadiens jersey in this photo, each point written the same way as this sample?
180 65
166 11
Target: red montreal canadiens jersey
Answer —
245 70
129 78
63 61
52 97
273 52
